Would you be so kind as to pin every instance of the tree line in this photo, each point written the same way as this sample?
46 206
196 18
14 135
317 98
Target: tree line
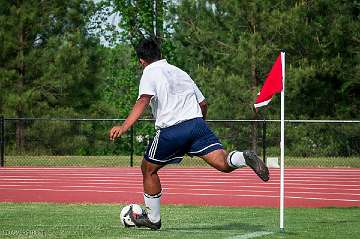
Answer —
52 62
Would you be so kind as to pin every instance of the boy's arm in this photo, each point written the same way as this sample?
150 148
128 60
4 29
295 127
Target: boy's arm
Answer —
203 105
134 115
201 100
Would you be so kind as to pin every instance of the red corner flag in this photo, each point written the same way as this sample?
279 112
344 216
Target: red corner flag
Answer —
272 85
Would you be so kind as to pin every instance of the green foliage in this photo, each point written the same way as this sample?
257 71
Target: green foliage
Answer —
323 54
239 40
51 65
229 47
48 60
120 87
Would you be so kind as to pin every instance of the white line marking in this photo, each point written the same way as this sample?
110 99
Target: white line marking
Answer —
104 185
288 184
136 186
181 194
185 177
251 235
203 169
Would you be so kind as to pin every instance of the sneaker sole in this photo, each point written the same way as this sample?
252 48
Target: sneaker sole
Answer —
257 165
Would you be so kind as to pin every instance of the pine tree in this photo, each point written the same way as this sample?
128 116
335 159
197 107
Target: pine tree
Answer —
49 65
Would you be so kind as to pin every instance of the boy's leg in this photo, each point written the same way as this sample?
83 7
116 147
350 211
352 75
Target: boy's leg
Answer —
152 195
152 189
225 162
166 147
217 159
151 180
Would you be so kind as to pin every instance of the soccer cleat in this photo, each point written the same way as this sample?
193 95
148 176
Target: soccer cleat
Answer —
256 164
144 221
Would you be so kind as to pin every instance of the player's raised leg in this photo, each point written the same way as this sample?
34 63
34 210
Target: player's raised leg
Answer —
216 160
228 162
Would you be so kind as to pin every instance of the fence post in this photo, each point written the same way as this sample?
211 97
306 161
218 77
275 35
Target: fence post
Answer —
264 140
2 141
132 146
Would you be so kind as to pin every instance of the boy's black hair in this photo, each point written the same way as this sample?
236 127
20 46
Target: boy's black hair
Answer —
148 50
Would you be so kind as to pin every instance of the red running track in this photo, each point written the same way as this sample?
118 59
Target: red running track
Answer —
304 187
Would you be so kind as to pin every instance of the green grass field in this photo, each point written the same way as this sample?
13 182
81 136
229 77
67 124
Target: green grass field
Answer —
124 161
40 220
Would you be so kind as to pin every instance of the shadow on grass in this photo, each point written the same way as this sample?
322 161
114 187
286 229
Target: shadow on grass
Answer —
225 227
228 230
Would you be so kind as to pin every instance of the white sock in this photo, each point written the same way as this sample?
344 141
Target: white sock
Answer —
236 159
152 203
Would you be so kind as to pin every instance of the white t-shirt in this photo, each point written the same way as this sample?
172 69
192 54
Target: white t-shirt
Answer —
175 98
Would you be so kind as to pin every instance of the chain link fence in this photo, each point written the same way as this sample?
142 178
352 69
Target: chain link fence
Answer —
85 142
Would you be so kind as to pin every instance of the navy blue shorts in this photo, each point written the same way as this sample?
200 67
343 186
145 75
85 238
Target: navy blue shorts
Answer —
192 137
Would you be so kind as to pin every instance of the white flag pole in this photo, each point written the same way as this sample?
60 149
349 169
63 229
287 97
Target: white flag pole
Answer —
282 145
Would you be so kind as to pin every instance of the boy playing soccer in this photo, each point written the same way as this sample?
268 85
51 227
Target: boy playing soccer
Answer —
179 109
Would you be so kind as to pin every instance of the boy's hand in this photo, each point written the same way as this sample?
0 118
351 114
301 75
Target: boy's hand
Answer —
116 132
134 115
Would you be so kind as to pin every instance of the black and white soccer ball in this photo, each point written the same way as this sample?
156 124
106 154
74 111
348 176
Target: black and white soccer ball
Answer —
125 214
